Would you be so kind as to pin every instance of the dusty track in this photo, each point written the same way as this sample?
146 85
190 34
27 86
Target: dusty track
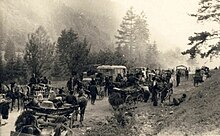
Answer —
150 120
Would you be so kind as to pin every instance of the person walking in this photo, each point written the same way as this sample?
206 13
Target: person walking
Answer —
178 74
82 102
154 93
70 84
187 74
93 92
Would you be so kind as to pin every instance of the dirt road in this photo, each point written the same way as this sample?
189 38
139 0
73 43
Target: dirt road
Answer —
150 119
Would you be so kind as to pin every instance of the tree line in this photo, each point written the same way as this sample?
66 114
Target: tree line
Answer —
70 54
46 58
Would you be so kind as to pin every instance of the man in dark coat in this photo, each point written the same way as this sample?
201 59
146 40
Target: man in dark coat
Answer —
45 80
4 109
153 89
119 78
93 92
70 84
32 82
107 82
187 74
110 88
93 82
178 74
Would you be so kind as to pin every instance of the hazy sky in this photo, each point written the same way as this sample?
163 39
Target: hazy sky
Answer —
169 22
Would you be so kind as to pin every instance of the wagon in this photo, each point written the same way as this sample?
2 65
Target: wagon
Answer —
182 69
49 118
128 96
47 111
47 108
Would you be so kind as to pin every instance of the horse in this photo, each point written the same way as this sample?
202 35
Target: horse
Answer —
24 95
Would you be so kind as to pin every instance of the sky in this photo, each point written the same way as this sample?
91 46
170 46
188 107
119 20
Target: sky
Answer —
169 22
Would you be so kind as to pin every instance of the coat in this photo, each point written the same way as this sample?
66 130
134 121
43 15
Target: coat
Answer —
93 90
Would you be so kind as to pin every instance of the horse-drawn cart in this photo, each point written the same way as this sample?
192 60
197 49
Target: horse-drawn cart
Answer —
59 120
128 96
48 110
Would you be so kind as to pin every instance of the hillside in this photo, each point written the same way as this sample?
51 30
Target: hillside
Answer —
199 115
18 18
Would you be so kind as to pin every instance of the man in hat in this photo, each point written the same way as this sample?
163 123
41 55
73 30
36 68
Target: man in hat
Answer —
93 92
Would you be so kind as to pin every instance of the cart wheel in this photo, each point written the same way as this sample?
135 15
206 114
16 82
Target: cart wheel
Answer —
129 100
140 98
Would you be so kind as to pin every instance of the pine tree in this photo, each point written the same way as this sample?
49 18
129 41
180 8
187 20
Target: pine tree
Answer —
126 37
141 38
133 37
39 52
59 70
71 51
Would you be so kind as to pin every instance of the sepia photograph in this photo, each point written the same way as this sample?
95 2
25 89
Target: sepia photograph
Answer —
109 67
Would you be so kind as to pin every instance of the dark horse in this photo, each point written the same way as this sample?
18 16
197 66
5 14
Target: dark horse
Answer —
21 95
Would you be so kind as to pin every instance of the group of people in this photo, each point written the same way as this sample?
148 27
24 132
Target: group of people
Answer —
61 98
75 86
77 93
160 84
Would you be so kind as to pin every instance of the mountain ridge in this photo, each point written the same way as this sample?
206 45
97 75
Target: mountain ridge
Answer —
19 18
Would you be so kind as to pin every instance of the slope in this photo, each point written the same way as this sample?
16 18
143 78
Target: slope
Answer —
200 114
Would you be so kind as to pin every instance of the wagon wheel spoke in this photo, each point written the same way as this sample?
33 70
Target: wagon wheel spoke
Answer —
140 98
129 100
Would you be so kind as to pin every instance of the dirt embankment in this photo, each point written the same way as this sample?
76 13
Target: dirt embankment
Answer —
200 114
